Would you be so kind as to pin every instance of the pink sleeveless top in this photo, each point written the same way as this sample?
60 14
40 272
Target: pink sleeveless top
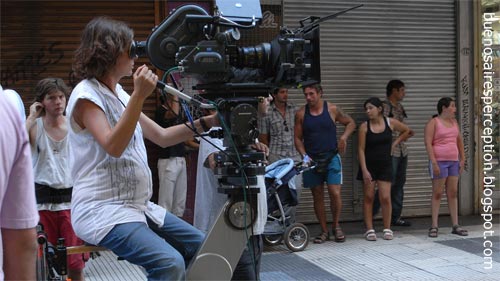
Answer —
444 143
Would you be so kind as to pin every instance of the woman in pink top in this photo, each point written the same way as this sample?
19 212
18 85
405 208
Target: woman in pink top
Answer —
445 148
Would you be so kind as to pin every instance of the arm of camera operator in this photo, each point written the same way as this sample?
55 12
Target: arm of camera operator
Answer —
114 140
263 106
264 138
264 130
261 147
171 106
176 134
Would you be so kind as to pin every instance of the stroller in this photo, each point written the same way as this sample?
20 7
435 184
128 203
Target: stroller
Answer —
281 202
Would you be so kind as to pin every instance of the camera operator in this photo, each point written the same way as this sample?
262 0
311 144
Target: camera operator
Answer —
112 188
172 174
316 134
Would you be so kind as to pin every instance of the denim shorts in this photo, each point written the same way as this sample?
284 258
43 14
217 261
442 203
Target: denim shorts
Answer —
333 174
446 169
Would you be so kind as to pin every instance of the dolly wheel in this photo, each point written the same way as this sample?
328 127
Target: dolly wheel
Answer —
273 239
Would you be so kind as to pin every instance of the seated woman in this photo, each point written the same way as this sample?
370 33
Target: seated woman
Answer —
375 163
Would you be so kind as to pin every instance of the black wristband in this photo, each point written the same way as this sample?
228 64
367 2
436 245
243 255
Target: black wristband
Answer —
204 125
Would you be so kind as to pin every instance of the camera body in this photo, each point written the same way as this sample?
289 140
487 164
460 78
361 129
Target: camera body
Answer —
205 48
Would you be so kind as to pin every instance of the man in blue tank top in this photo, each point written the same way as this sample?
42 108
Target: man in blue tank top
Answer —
316 139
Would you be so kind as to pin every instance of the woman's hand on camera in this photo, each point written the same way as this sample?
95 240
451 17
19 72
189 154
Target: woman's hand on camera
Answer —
144 81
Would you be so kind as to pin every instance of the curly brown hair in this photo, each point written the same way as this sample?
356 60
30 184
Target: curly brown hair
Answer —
102 41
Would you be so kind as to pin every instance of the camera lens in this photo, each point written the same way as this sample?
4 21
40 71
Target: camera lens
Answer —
257 56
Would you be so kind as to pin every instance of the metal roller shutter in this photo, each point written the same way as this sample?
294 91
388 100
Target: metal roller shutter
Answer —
39 38
362 50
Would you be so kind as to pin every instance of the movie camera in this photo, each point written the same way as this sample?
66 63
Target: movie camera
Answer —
205 47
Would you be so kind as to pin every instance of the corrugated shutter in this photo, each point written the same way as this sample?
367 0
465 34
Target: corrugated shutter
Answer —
39 38
362 50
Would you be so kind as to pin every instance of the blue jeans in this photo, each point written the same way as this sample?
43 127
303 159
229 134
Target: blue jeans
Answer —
163 252
399 165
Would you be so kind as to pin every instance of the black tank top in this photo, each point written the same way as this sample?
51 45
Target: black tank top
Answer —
378 145
319 132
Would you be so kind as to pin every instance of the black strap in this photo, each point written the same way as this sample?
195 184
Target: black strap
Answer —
47 194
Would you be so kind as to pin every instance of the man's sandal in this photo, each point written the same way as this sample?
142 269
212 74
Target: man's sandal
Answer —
388 234
433 232
457 229
338 234
322 238
370 235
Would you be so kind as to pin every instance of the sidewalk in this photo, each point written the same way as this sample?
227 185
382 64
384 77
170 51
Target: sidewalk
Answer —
410 256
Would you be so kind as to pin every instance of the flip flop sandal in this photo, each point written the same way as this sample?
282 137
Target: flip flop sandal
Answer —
320 239
370 235
339 234
388 234
433 232
457 229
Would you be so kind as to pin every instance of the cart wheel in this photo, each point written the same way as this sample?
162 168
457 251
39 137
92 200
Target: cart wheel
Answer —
273 239
296 237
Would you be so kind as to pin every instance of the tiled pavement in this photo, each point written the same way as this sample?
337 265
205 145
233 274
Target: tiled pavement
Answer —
410 256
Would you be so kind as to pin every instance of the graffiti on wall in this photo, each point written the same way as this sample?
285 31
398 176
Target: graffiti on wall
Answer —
465 122
31 66
268 20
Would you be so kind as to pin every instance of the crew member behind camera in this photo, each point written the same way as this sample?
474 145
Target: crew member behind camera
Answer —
48 135
277 125
172 174
316 139
112 183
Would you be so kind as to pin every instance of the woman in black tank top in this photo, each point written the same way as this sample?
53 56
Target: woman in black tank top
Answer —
375 162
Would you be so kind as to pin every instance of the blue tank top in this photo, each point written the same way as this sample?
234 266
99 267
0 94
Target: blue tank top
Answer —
319 132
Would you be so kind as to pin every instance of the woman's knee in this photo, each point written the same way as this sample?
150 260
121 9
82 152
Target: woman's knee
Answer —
385 200
169 266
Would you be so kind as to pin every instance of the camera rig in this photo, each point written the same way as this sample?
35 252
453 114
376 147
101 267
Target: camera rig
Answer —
234 77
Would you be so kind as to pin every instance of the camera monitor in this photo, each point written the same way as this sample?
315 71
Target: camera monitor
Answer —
240 11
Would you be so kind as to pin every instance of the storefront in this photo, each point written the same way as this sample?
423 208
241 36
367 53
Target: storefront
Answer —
430 45
424 44
487 95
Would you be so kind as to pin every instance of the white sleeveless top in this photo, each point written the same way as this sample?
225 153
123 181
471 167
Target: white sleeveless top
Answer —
51 164
106 190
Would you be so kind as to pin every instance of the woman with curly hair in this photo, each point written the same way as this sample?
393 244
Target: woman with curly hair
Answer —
112 186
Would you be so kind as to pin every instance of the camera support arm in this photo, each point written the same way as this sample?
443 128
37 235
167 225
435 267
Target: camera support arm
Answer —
315 21
173 91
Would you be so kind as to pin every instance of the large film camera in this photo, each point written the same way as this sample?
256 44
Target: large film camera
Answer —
204 47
